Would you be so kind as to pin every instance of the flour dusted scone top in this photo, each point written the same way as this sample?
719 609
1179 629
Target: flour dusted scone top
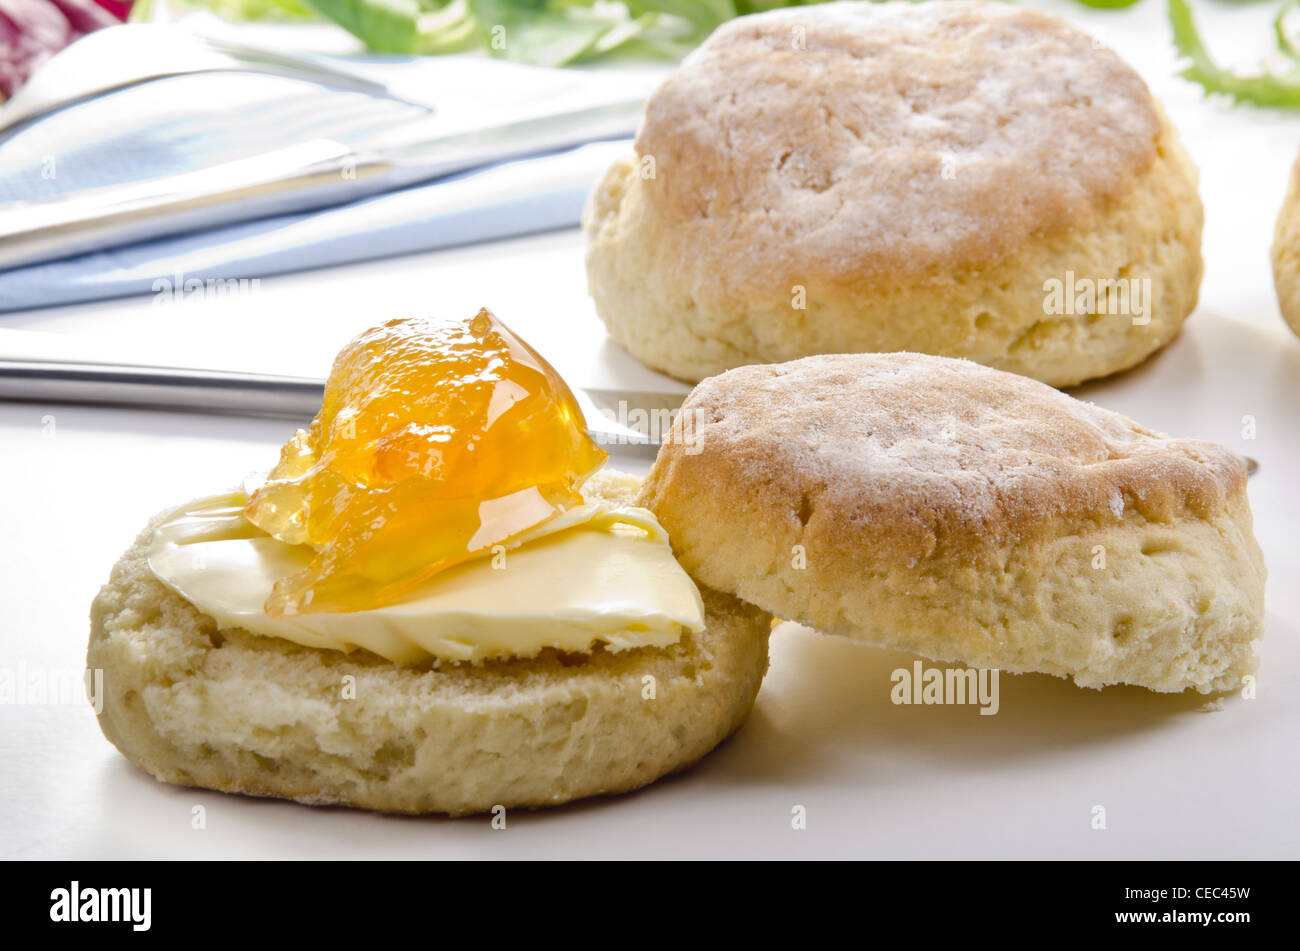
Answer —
872 177
966 514
847 177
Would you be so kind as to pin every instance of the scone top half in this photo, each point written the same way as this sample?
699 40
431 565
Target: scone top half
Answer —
966 514
871 177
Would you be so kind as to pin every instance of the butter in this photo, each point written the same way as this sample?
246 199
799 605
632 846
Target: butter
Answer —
596 574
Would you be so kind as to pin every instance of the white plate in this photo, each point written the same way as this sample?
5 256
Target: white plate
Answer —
876 779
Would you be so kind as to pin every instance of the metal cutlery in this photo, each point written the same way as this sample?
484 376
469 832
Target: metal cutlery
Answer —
132 54
631 420
302 177
254 394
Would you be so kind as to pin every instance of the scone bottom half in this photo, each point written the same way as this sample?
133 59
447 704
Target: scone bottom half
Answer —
224 709
341 632
967 515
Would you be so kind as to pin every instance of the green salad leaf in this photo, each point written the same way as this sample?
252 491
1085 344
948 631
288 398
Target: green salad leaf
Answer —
1285 43
386 26
1265 89
1108 4
142 10
543 34
568 32
540 32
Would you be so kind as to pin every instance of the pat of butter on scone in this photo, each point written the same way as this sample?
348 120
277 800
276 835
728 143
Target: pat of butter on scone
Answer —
597 574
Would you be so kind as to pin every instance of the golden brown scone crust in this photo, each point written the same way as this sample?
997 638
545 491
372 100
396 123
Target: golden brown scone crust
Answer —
915 173
1286 252
238 712
966 514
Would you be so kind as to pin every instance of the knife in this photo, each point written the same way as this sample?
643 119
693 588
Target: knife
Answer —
611 415
629 420
303 177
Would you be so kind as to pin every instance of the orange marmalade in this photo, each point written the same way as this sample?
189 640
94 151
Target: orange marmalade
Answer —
436 442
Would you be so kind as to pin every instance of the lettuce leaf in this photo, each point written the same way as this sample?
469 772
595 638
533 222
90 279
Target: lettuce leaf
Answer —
540 32
1266 89
142 10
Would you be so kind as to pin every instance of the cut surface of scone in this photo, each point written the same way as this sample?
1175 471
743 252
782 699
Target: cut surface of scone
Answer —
225 709
966 514
975 180
1286 252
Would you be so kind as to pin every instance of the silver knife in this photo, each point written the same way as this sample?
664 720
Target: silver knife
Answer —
611 415
303 177
631 420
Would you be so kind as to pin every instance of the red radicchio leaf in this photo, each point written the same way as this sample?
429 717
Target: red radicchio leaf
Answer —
31 31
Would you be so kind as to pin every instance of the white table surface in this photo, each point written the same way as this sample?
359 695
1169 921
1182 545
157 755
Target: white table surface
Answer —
877 780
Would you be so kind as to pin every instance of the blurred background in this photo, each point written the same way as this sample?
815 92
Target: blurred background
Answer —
190 151
316 133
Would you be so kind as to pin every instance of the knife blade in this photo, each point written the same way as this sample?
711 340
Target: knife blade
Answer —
239 393
632 421
309 175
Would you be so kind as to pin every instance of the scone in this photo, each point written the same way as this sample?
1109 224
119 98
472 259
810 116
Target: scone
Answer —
197 705
975 180
435 602
1286 252
966 514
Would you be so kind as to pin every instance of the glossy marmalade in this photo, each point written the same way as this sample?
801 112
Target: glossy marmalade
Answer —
436 442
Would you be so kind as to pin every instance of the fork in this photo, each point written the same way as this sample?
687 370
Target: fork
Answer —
144 52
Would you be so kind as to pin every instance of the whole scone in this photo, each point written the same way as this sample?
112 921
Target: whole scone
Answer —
198 705
966 514
1286 252
964 179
